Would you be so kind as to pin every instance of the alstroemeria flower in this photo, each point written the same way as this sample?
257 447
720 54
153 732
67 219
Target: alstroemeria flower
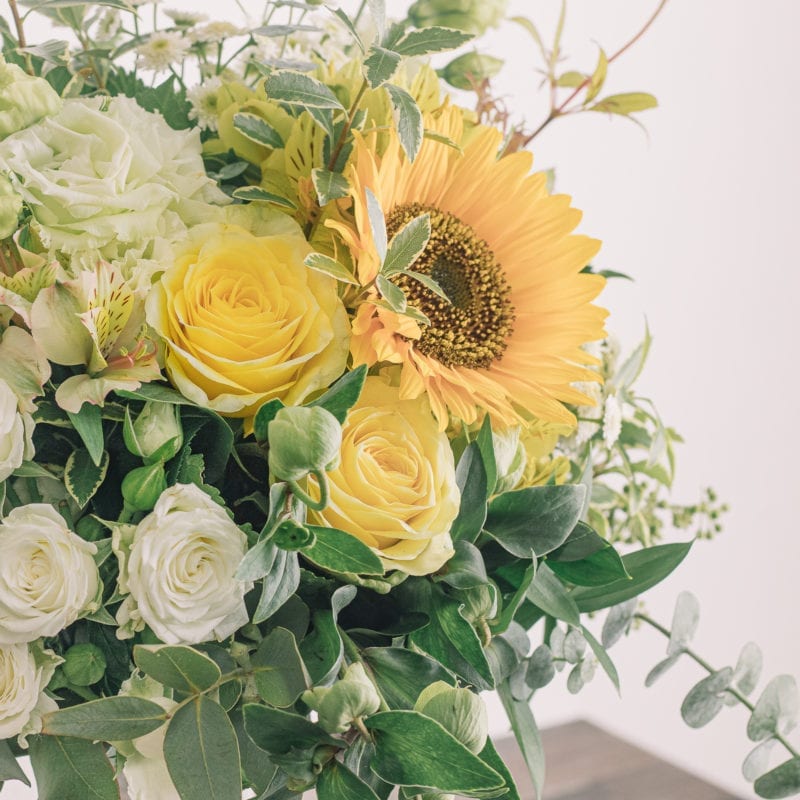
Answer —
95 320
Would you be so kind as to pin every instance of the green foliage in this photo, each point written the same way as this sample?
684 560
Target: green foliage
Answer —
108 719
177 666
67 767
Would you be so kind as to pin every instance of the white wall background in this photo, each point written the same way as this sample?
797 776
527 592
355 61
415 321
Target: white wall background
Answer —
704 215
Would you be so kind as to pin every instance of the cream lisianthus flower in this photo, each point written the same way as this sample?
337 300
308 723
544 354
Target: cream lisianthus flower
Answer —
48 577
96 321
245 321
105 176
25 670
395 487
24 99
179 565
15 432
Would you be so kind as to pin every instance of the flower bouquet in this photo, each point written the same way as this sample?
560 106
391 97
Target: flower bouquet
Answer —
311 430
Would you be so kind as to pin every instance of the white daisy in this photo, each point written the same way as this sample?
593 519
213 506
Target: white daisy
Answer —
162 50
203 98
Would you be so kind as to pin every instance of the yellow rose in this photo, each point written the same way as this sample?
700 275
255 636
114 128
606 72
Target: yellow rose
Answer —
395 487
245 321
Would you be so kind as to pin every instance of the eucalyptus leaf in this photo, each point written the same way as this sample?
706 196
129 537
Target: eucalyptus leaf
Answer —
783 781
278 670
618 622
10 769
67 767
748 668
202 753
776 710
660 668
574 645
684 622
178 666
757 760
106 719
705 698
540 670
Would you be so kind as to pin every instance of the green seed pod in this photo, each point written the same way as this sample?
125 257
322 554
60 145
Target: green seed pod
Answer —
474 16
142 486
157 434
471 68
460 711
303 440
338 705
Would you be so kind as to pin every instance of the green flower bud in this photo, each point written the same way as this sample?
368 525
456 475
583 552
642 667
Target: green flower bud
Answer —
291 535
470 69
303 440
142 486
459 711
24 99
338 705
10 206
156 435
480 602
474 16
510 457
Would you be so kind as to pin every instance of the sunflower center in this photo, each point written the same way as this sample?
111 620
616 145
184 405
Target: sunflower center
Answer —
472 326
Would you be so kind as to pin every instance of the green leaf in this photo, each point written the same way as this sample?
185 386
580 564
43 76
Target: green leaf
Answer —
380 65
660 669
257 194
177 666
618 622
513 602
646 567
348 23
583 541
783 781
107 719
408 119
404 743
540 670
279 672
329 266
465 569
776 710
377 223
257 769
401 674
83 477
280 583
429 283
684 623
748 668
491 757
66 767
526 732
407 245
322 649
341 552
471 480
625 103
469 70
485 441
571 79
627 374
10 769
85 663
336 782
278 731
602 657
202 752
706 698
431 40
265 414
599 569
299 89
344 394
89 424
393 295
535 520
598 77
257 130
548 593
329 185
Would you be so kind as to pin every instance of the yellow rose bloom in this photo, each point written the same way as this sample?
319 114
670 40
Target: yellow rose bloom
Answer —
245 321
395 487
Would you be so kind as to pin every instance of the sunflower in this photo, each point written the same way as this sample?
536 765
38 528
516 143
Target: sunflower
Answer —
508 337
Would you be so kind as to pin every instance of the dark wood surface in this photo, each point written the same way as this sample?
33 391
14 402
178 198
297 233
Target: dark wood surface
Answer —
586 763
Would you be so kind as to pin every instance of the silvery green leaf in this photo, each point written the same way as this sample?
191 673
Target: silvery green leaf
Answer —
329 266
575 680
407 245
380 65
540 668
757 760
705 698
257 129
348 23
618 622
392 294
257 194
272 31
298 89
588 669
776 710
634 364
377 223
377 9
574 646
748 668
684 622
431 40
557 637
603 659
660 668
428 282
408 119
783 781
329 185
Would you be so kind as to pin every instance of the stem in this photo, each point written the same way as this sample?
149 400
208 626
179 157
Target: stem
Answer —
21 41
354 654
346 129
708 668
304 497
357 17
558 111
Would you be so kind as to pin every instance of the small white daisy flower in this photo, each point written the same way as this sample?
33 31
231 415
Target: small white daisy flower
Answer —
162 50
612 421
203 98
185 19
215 32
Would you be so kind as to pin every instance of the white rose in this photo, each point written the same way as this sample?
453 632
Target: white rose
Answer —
24 673
105 175
15 432
180 570
48 577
